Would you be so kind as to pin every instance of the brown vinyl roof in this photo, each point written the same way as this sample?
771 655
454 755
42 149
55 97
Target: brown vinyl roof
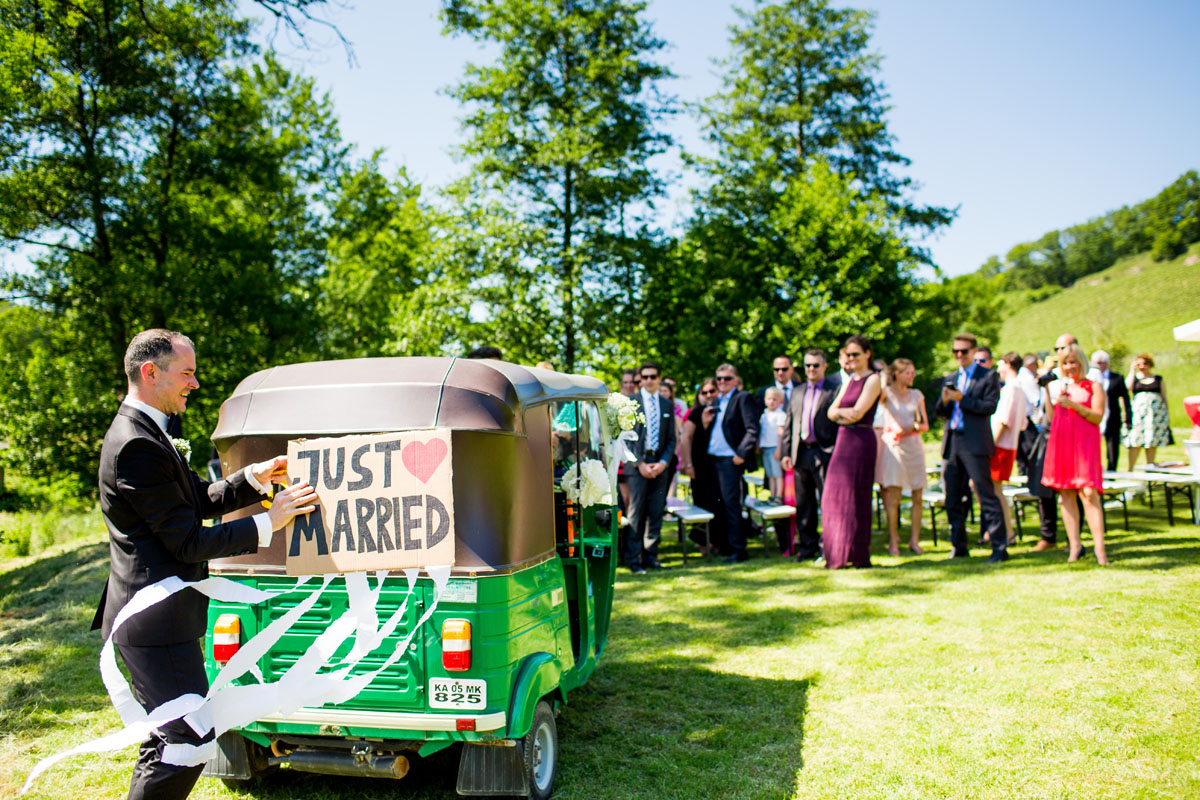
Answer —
369 395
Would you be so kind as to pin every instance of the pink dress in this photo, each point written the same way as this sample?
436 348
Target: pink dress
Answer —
1073 449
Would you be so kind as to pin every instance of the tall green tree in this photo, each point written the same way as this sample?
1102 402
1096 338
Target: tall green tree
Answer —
560 130
166 178
798 130
801 84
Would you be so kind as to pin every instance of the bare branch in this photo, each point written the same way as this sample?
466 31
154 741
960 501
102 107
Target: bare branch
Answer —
293 15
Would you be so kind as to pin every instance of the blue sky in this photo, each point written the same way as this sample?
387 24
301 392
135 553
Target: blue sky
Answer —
1029 116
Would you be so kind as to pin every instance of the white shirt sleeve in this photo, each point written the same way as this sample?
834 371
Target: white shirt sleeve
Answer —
265 534
262 520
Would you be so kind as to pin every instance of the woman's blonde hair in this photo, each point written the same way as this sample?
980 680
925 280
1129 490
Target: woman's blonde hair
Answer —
896 367
1075 352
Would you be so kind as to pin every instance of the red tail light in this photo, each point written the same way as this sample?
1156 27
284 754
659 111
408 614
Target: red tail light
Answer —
456 645
227 637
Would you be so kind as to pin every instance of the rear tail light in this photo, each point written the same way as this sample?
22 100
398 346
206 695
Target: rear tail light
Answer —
227 636
456 645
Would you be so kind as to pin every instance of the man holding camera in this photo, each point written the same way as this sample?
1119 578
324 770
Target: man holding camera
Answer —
968 399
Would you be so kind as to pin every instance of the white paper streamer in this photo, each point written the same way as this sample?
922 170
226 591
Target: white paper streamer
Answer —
618 452
228 705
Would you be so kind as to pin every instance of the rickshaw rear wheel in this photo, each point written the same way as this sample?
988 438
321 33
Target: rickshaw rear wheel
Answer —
540 752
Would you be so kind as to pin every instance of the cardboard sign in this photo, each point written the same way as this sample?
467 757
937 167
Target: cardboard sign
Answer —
386 502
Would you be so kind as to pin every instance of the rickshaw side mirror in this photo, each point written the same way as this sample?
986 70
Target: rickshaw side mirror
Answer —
603 517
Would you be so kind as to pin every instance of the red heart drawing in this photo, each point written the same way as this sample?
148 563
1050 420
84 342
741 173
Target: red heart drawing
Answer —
423 458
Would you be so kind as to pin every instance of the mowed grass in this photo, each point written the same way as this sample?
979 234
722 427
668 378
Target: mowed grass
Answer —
1133 305
920 678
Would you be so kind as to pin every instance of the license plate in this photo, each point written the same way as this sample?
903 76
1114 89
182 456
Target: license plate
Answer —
457 693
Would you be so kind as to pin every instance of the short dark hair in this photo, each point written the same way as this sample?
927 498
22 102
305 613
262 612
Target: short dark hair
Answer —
1013 360
487 351
650 365
969 338
155 344
783 355
818 352
984 348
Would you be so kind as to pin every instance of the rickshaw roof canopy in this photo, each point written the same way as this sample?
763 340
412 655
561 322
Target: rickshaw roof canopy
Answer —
370 395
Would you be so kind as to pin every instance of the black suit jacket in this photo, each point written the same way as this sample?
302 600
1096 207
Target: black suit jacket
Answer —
154 506
1116 392
665 410
740 426
824 429
980 398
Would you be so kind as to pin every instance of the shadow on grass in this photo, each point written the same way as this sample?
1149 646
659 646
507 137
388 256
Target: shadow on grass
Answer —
670 729
48 656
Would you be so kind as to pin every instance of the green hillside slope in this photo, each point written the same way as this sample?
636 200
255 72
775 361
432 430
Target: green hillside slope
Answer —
1127 309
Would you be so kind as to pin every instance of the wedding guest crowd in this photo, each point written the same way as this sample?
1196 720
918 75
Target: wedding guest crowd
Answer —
826 439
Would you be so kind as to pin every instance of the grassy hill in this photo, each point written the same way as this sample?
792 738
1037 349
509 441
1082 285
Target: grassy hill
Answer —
1127 309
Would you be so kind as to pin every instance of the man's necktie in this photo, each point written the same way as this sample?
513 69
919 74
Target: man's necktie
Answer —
652 425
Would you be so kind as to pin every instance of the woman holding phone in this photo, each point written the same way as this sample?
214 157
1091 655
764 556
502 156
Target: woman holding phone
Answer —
1075 407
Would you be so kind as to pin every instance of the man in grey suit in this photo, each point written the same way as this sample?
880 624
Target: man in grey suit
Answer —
968 399
650 475
806 444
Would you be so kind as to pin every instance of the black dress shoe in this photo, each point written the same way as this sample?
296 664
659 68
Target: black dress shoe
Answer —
654 565
958 554
636 570
998 556
735 559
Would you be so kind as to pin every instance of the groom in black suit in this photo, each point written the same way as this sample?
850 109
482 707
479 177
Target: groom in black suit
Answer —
153 505
968 399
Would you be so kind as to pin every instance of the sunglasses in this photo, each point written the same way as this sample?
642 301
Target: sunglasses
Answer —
961 350
724 378
812 366
708 391
981 361
853 354
653 377
782 369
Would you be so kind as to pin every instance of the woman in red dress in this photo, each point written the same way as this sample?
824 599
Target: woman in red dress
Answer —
1075 408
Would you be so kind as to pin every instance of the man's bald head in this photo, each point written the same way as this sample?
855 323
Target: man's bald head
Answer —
1065 341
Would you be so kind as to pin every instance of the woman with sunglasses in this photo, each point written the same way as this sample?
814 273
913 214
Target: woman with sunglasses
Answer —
694 460
1075 407
846 498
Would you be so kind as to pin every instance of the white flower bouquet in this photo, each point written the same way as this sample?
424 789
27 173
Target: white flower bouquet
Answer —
623 413
587 484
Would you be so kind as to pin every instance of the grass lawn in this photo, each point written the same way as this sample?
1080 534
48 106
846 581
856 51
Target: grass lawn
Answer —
921 678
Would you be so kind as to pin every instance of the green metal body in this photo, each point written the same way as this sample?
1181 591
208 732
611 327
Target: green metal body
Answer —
535 632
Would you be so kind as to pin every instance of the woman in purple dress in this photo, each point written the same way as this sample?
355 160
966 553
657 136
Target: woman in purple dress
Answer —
846 498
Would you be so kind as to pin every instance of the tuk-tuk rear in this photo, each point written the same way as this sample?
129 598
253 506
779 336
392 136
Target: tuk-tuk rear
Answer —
489 657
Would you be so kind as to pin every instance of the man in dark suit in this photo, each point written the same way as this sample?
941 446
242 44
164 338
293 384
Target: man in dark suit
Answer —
650 475
1118 395
785 381
153 505
806 444
968 399
732 447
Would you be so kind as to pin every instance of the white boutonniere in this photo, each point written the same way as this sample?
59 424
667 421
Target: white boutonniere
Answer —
184 447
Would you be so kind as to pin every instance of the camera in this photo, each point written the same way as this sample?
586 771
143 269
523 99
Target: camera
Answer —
1047 379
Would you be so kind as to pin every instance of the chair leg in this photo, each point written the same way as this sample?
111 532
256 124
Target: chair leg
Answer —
682 543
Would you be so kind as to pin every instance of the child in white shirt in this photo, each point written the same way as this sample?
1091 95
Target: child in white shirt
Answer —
769 426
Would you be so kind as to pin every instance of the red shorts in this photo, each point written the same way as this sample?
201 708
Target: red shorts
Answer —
1002 464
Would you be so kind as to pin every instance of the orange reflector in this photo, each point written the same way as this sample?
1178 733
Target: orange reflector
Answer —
227 637
465 725
456 645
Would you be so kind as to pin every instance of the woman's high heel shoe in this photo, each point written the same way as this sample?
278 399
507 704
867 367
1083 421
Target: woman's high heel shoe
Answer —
1077 554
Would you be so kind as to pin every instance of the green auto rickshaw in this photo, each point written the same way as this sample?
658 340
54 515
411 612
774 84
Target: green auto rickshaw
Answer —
523 617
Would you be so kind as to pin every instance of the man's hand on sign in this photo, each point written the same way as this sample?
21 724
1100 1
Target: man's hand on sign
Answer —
271 471
291 502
